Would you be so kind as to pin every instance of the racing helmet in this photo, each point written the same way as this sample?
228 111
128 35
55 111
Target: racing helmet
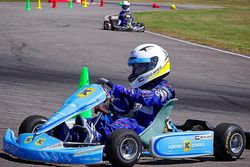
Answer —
148 62
125 6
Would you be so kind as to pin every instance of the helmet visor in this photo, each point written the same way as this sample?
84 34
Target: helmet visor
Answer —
125 7
140 68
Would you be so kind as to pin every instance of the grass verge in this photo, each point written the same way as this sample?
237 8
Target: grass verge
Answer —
226 28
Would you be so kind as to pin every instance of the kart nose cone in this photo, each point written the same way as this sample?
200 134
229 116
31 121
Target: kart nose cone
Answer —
44 148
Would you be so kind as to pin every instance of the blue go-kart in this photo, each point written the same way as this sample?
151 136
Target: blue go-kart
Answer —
111 23
39 139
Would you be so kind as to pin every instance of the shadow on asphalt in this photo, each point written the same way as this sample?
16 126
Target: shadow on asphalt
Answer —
13 159
145 161
175 161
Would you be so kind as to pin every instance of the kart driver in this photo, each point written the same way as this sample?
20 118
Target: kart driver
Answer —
149 92
125 15
149 65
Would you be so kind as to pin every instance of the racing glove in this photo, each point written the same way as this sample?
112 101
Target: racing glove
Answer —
118 90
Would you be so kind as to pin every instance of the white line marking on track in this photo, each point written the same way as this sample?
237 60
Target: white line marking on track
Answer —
191 43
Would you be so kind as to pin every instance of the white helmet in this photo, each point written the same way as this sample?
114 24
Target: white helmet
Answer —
148 62
125 6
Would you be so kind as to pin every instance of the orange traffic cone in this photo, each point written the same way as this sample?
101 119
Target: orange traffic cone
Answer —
155 5
102 3
54 4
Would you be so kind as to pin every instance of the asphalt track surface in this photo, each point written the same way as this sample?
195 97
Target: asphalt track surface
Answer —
42 52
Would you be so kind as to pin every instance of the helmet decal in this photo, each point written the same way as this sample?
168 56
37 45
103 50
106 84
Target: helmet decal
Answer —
165 69
146 48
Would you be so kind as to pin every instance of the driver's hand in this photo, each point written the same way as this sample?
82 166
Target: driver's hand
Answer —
102 108
118 90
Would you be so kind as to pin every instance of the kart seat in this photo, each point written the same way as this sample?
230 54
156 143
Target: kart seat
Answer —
78 120
158 125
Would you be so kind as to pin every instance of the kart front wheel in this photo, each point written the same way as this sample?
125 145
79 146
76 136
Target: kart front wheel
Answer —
31 123
142 27
229 141
123 148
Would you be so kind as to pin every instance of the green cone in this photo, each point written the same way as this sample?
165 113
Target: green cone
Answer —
84 80
70 4
120 4
27 5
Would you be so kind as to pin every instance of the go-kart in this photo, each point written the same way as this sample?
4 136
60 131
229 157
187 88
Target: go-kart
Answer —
40 139
111 23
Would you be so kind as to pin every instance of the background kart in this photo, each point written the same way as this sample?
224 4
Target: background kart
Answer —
39 138
111 22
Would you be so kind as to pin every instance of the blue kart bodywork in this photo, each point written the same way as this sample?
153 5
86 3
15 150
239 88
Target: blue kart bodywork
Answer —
182 144
42 147
157 141
175 143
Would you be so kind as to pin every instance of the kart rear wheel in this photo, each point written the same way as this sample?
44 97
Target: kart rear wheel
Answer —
229 141
247 134
113 24
106 25
31 123
123 148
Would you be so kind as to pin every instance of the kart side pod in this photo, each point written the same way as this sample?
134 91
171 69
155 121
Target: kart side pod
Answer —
182 144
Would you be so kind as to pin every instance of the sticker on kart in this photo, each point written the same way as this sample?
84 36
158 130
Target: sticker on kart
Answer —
86 92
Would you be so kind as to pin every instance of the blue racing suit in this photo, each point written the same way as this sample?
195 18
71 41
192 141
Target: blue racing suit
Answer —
123 18
145 103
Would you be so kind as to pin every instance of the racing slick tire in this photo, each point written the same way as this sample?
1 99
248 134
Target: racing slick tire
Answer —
229 141
106 25
31 123
247 134
123 148
113 24
142 27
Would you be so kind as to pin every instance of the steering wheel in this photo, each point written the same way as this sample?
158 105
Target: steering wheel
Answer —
104 106
104 81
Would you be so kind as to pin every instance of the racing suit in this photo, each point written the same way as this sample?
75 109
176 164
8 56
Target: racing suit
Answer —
145 103
123 18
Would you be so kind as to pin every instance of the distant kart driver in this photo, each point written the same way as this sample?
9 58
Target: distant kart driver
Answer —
125 16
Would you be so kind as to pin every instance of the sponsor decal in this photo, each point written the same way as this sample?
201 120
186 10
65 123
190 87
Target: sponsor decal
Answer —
141 79
54 156
40 141
6 147
42 155
12 149
204 137
45 155
67 157
175 146
187 145
146 48
86 92
28 139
